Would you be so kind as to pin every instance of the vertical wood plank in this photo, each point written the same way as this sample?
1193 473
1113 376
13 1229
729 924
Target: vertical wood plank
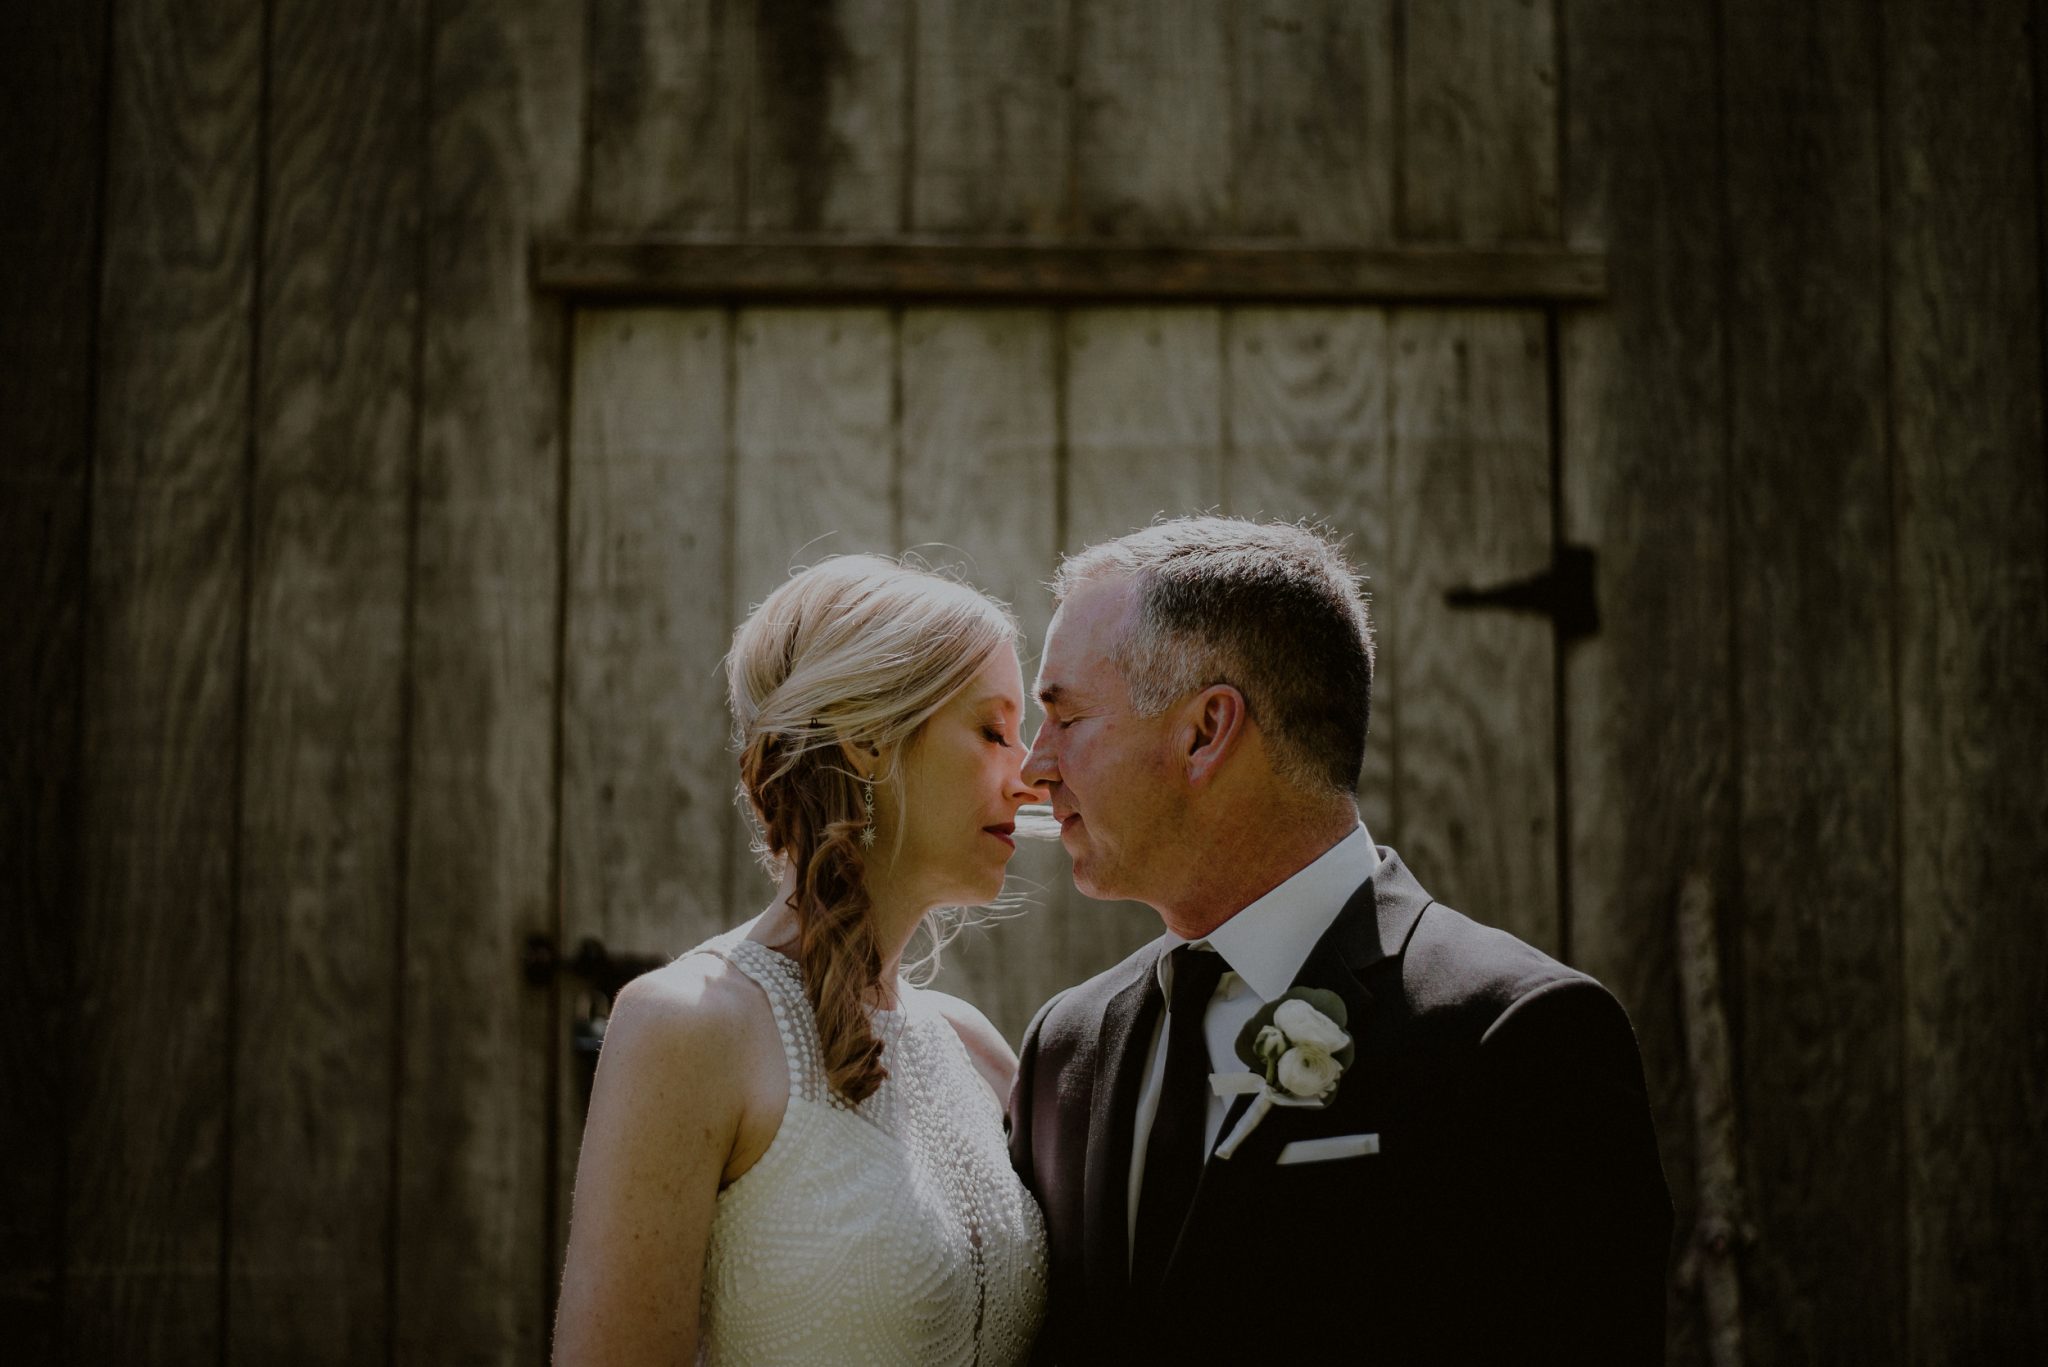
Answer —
52 140
990 96
472 1273
980 436
646 818
1152 118
1309 399
1818 1034
645 780
1478 116
145 1179
668 89
1474 766
813 443
827 116
1315 134
815 471
1153 123
1644 471
324 800
1144 420
646 814
1474 771
1972 580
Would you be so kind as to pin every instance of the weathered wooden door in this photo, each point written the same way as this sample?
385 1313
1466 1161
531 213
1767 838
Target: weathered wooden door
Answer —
344 668
713 449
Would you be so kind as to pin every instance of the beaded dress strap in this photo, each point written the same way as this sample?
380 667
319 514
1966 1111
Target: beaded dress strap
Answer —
778 976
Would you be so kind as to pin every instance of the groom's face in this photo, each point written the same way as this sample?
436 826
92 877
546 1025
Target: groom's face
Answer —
1111 776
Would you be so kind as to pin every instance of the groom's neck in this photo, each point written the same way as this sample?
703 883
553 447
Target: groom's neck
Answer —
1239 857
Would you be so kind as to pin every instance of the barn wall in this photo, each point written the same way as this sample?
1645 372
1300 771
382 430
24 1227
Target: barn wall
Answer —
366 600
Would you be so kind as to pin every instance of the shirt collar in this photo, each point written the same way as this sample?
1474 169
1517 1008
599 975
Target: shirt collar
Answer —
1267 943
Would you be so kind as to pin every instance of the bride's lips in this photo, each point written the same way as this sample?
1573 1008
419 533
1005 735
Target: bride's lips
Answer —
1007 833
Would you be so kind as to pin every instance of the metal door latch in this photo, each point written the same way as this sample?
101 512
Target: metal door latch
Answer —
592 962
603 973
1567 593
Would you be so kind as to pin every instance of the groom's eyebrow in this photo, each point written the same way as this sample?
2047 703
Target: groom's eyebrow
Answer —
1051 696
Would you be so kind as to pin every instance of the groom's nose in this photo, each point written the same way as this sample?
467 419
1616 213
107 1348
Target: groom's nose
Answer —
1039 769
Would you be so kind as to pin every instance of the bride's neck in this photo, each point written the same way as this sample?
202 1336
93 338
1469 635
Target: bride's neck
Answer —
894 919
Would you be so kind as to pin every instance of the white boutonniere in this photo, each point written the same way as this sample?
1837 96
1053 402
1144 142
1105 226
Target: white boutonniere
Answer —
1295 1051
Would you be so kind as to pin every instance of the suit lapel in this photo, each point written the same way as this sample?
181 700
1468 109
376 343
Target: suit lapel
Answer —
1373 926
1127 1025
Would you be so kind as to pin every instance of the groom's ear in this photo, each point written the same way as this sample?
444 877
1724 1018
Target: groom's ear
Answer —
1212 729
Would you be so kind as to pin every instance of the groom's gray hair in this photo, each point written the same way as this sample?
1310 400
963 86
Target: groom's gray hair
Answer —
1271 608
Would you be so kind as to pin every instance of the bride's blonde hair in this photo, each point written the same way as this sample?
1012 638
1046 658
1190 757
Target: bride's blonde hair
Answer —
857 651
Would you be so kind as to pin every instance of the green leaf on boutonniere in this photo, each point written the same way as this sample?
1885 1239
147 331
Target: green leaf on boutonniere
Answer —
1322 999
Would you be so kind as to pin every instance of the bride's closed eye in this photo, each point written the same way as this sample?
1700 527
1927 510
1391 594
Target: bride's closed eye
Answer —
994 734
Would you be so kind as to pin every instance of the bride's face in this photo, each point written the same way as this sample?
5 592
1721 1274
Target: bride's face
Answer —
962 786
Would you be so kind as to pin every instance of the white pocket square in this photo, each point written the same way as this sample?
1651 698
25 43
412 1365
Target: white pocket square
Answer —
1323 1150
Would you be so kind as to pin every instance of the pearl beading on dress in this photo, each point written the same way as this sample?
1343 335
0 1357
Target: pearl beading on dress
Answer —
892 1231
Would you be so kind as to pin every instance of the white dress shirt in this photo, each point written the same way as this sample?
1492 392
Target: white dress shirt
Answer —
1265 946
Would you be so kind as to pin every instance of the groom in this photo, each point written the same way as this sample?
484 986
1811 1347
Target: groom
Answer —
1463 1169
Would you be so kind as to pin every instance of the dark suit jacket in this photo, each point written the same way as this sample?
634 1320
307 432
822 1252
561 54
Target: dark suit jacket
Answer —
1516 1210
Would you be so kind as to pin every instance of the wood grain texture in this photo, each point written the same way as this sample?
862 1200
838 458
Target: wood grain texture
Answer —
1478 118
324 797
470 1273
668 91
646 791
989 94
1144 419
1152 119
827 116
1711 1262
1315 133
1818 1029
52 140
1971 512
1644 468
145 1181
1474 765
1310 392
815 469
980 438
813 443
646 780
812 271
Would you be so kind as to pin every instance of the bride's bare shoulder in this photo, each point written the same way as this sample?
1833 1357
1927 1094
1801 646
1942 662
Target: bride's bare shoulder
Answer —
700 1008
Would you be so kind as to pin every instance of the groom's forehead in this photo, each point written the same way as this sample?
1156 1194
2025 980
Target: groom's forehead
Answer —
1070 658
1094 681
1089 622
1081 640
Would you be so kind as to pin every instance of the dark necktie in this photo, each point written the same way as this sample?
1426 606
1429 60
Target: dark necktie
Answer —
1174 1151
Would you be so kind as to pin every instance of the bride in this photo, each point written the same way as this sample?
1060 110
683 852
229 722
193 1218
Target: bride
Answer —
792 1155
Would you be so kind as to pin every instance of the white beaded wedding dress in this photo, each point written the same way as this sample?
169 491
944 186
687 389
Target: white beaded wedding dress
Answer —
889 1232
